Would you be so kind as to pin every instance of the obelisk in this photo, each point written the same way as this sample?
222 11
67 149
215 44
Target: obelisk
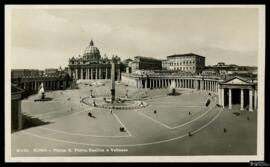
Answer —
114 60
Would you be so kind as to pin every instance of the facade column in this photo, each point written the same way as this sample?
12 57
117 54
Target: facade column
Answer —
145 84
150 83
81 73
100 77
76 73
242 100
91 70
87 73
230 98
106 73
250 100
58 84
96 73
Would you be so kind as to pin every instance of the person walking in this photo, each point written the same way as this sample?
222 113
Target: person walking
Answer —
111 111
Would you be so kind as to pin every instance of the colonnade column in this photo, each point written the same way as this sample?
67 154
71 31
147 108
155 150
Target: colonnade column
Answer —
242 100
230 98
20 124
219 97
255 99
35 85
222 97
250 100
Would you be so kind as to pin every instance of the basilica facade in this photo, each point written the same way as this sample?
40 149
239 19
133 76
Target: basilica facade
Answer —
92 66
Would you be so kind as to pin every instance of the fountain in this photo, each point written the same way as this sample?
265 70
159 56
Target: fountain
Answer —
41 93
172 90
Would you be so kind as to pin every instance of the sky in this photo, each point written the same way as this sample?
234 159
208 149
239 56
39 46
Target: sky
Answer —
47 38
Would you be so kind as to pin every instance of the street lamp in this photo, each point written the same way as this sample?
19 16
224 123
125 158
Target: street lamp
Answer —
91 91
127 93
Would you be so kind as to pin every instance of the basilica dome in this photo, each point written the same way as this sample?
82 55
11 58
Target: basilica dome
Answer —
91 52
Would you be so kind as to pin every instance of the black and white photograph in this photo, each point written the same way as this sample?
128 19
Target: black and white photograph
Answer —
134 83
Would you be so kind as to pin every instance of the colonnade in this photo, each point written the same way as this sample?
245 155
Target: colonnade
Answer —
48 85
191 83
